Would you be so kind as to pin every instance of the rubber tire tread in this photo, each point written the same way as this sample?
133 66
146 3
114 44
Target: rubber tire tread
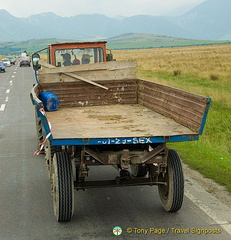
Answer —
65 187
174 202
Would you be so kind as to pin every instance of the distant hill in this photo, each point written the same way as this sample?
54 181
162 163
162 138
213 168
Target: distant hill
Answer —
124 41
210 20
31 46
142 40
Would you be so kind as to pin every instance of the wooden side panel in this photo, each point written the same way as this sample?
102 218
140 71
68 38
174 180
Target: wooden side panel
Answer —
185 108
99 71
79 94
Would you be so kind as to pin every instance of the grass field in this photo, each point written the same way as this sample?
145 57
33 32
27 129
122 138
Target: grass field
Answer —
205 70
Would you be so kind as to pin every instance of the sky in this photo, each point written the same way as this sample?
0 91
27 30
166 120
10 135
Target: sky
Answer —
110 8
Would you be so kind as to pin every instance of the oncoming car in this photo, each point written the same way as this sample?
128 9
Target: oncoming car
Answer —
2 67
12 59
6 62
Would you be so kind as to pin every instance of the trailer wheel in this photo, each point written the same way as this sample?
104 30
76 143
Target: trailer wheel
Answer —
52 150
172 193
139 170
63 188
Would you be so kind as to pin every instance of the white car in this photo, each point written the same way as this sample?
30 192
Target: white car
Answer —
6 62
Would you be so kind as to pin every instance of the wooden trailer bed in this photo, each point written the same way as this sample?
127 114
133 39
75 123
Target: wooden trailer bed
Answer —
112 121
114 103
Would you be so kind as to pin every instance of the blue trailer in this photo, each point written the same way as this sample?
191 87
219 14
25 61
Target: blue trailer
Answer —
105 116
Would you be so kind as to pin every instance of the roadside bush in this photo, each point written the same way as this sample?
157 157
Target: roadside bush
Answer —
213 77
176 72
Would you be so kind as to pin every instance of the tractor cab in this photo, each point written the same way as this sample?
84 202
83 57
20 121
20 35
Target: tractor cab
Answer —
78 53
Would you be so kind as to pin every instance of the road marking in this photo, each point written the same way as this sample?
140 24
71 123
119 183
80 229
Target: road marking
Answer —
13 76
14 72
7 99
8 91
207 210
2 108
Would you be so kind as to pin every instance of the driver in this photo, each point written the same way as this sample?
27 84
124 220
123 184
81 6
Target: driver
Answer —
66 59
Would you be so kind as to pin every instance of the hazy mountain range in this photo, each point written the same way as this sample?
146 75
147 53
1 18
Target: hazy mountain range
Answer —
209 20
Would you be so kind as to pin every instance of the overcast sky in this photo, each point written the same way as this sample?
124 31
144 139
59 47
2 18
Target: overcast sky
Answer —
111 8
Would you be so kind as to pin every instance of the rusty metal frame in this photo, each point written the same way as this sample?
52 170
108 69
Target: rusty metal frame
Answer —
157 155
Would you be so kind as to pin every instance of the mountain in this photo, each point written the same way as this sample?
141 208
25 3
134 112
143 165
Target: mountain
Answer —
211 20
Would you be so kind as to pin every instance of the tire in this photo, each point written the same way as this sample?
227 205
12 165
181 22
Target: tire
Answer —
172 194
139 170
50 167
63 187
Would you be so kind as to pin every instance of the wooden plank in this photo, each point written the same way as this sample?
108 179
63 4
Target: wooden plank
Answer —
81 93
173 106
98 71
85 80
183 101
179 92
81 86
97 102
111 65
125 74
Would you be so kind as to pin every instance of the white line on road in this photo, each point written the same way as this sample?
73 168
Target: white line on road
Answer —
210 205
8 91
2 108
7 99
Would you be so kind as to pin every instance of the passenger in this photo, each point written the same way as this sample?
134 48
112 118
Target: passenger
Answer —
85 59
66 59
76 61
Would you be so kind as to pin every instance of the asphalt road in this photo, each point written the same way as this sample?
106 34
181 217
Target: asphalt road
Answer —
26 206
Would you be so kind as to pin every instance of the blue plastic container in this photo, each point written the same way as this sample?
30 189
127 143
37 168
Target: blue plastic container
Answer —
50 101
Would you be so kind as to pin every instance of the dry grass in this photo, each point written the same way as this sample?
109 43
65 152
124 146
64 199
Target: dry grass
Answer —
202 60
43 57
209 64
